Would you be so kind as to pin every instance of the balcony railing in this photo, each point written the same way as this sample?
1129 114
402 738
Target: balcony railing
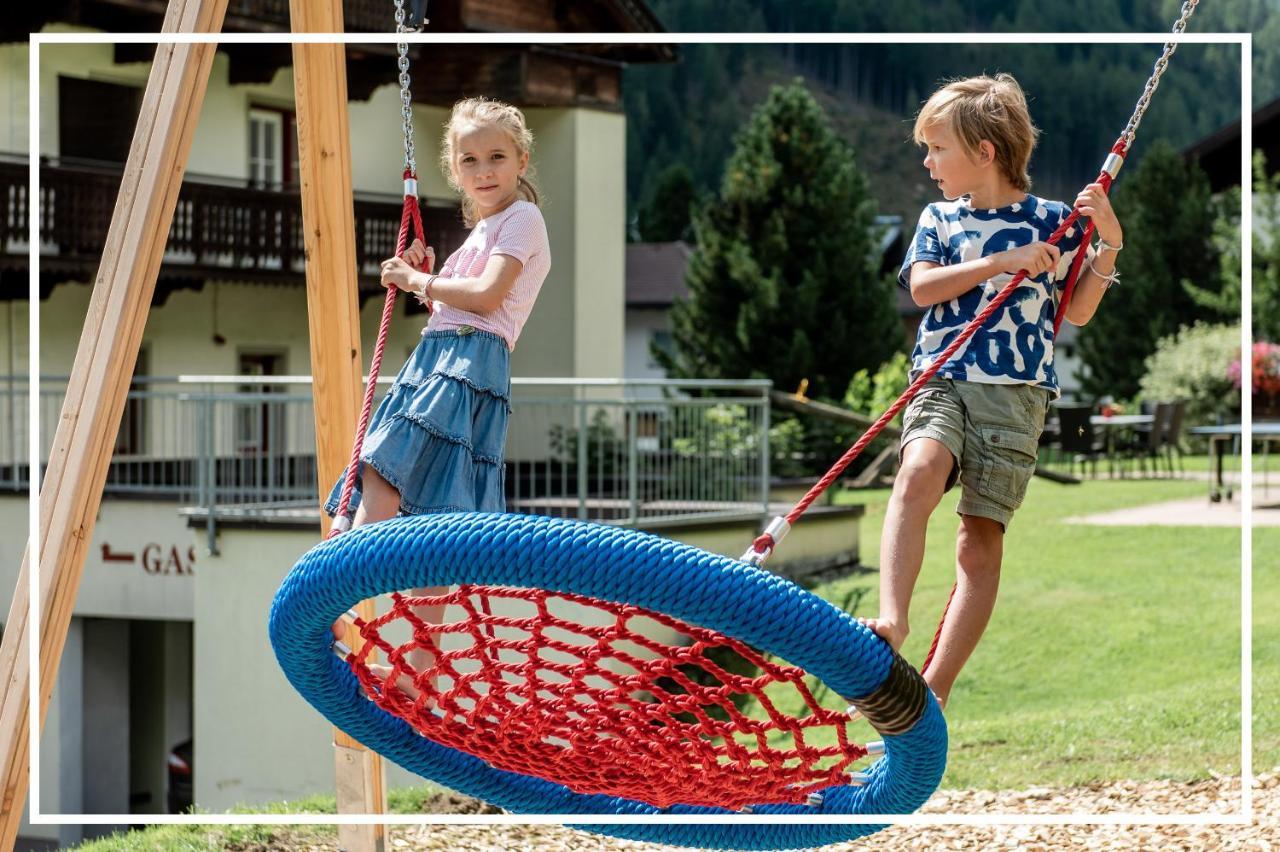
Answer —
220 227
615 451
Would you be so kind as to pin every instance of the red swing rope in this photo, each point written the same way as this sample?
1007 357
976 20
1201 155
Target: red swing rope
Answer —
410 218
767 541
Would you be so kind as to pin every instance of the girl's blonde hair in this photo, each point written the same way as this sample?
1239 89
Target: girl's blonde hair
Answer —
991 108
486 112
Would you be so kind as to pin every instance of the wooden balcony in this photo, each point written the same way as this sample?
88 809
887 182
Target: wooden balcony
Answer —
221 229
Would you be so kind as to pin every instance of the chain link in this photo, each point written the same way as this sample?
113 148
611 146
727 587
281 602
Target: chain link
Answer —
406 98
1131 129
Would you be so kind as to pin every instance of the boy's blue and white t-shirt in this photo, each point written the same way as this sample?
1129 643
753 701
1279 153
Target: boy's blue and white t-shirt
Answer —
1015 346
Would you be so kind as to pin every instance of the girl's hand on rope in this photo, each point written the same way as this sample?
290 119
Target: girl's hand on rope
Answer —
400 272
1094 203
420 257
1035 258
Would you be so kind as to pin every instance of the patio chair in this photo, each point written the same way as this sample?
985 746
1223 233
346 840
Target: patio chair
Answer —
1076 439
1173 435
1147 443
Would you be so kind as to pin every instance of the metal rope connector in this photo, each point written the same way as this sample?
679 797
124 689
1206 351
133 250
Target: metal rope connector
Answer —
876 747
341 523
340 649
1112 164
814 800
410 187
776 531
859 779
853 713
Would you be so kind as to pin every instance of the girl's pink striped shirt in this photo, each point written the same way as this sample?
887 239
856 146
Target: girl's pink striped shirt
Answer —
518 232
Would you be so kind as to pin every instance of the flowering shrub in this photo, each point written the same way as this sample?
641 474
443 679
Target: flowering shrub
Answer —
1266 369
1193 365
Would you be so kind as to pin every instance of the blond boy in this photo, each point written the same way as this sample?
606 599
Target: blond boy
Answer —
978 421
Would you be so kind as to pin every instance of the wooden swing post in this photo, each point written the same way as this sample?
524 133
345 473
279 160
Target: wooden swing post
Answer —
328 221
99 382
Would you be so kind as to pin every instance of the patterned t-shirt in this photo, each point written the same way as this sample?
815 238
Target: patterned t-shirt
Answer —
518 232
1015 346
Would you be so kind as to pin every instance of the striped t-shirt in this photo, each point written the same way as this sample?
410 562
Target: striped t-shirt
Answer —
518 232
1015 346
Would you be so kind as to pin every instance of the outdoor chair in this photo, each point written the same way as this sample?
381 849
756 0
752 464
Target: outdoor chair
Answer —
1173 435
1147 443
1076 440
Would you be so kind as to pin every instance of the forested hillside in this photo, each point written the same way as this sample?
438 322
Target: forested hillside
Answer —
1081 94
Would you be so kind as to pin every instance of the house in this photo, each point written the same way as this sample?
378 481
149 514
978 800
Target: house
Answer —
230 301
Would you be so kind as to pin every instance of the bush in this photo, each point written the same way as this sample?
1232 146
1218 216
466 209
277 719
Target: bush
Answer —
873 394
1194 365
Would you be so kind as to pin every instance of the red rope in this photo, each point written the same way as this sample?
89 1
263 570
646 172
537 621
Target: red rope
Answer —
580 691
765 542
410 217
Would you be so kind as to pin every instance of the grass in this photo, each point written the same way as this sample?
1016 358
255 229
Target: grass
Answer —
1113 653
215 838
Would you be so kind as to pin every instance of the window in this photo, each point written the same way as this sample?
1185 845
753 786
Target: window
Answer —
259 423
96 119
132 434
266 148
661 340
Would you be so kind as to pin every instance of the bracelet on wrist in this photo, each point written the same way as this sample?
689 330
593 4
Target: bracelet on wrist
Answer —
1107 280
1103 245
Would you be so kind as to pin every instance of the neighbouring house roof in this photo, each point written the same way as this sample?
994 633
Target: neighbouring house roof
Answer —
655 273
1219 152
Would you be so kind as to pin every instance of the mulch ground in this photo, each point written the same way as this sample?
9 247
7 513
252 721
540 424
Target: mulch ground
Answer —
1220 795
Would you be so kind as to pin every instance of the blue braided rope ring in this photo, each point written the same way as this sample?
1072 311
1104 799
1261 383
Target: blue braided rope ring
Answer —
615 564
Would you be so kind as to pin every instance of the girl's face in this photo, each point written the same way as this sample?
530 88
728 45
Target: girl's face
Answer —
487 167
949 165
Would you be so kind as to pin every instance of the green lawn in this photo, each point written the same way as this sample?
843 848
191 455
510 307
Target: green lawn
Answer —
1114 652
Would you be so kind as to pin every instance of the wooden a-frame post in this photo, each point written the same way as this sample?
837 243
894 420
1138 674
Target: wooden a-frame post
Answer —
328 223
99 382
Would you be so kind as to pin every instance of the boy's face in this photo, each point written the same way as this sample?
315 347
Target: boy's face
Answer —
950 166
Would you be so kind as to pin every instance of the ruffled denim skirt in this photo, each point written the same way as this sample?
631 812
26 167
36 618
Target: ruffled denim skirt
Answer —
439 434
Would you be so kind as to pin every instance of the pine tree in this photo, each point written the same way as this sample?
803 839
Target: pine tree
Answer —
783 281
1168 222
666 215
1266 252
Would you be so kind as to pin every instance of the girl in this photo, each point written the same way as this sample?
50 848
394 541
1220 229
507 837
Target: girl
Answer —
436 442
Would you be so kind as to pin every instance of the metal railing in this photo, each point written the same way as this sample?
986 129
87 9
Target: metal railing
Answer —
615 451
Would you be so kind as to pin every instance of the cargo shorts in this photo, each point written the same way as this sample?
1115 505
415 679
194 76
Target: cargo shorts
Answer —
993 432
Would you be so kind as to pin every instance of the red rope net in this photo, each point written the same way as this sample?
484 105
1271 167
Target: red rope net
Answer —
606 698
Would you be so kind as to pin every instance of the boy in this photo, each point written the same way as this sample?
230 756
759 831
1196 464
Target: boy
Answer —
979 419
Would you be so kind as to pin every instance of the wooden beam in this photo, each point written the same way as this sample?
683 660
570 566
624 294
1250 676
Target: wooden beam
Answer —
108 349
829 412
328 221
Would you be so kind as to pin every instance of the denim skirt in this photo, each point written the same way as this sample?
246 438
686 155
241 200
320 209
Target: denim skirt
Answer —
439 434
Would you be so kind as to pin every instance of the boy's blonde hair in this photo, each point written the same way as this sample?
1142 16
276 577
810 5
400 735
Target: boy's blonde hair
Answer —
486 112
991 108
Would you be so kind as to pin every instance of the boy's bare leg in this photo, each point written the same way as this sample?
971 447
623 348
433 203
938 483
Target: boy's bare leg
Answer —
380 501
979 552
917 490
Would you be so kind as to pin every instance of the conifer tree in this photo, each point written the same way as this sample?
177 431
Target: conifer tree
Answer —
783 283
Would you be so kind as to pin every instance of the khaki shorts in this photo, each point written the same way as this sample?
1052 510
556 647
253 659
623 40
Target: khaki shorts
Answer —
993 431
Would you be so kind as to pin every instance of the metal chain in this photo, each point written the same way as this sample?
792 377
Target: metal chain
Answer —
406 98
1188 8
